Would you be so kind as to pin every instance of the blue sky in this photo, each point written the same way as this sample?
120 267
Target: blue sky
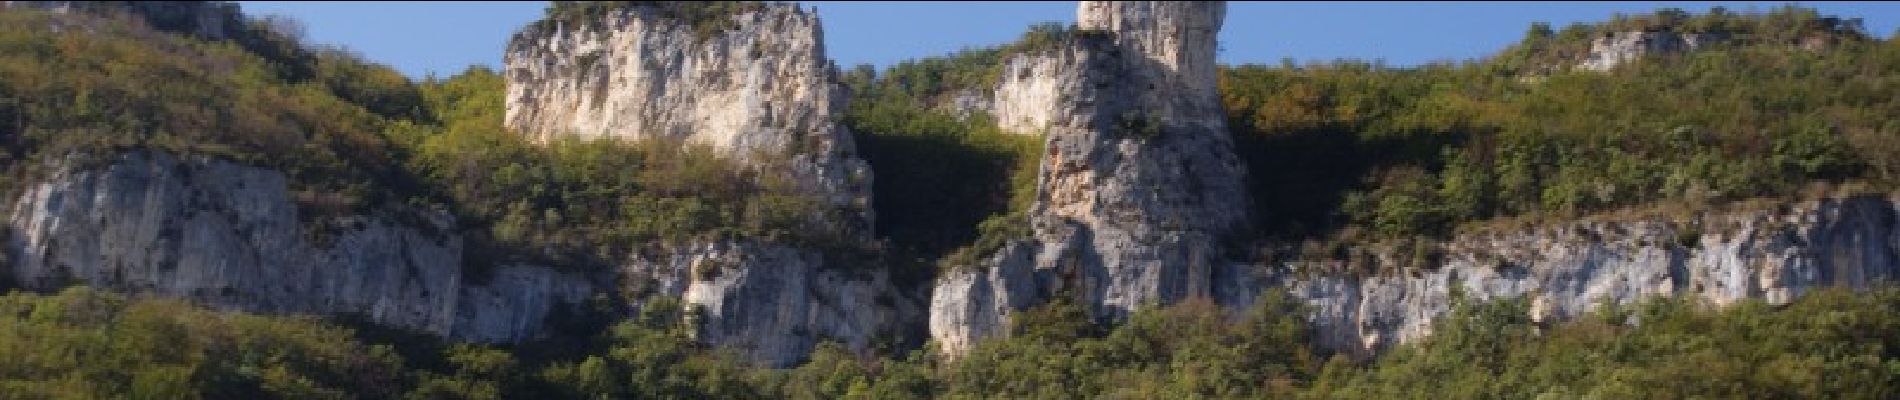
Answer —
445 38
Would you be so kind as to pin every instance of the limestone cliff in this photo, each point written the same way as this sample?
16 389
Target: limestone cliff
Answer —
761 87
1139 191
1771 253
1774 254
773 302
228 235
1616 48
757 89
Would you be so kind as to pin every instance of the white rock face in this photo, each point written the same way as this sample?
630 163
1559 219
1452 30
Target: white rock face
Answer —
773 302
971 305
1616 48
1125 219
759 92
760 89
1565 270
1568 270
1027 96
1175 42
228 235
1139 189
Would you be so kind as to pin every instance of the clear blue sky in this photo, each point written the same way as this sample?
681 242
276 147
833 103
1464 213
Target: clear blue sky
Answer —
445 38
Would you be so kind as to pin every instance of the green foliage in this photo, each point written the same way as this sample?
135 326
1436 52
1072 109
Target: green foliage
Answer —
376 88
934 80
647 363
584 203
946 185
87 344
951 188
706 18
355 137
1189 350
1542 52
1832 344
100 85
1353 148
1396 153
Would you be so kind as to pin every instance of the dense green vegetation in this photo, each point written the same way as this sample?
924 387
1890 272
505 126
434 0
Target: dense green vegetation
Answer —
952 186
1344 151
1831 344
1364 150
87 344
971 71
1544 51
945 181
97 85
587 203
706 18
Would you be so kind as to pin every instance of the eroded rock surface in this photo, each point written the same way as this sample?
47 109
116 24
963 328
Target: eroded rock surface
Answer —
228 235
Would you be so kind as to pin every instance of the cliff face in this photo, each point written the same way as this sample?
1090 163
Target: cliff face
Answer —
762 88
228 235
1139 190
760 91
1566 270
1616 48
773 302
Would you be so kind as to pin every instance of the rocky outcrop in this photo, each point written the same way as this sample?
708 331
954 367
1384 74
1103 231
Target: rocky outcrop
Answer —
761 87
773 302
1566 270
1029 94
972 304
228 235
1775 254
1616 48
758 89
1139 190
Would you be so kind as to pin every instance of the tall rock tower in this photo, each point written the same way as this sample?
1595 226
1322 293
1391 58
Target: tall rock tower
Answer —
751 81
1139 193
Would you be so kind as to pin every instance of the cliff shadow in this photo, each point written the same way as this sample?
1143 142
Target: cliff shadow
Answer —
9 251
935 186
1299 179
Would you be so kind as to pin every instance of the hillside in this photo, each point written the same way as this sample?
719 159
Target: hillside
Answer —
669 200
